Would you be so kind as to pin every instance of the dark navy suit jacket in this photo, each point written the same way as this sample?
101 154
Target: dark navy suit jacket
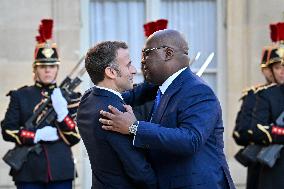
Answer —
115 162
185 138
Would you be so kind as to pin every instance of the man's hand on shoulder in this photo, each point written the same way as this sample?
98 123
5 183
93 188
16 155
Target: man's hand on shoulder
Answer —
116 120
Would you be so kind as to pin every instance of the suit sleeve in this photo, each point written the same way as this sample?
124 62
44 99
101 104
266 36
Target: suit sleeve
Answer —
68 127
261 115
133 160
11 126
198 113
141 94
243 120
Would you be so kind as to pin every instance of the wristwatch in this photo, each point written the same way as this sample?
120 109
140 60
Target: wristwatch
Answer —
133 128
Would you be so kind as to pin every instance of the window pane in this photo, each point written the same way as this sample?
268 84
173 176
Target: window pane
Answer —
210 79
119 20
197 20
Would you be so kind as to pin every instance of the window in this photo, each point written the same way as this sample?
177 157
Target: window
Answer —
197 20
119 20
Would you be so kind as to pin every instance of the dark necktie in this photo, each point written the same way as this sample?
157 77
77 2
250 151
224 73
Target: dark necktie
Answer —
156 103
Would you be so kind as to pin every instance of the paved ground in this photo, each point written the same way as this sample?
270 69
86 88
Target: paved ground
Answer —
238 173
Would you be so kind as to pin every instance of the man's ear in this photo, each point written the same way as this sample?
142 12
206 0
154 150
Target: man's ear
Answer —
110 73
169 54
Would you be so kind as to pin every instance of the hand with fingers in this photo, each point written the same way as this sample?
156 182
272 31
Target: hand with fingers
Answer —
116 120
59 104
47 133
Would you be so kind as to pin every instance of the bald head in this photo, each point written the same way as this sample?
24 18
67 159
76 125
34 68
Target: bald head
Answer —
165 52
168 37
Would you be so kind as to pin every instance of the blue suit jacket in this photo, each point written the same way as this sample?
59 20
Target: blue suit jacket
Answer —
185 138
115 163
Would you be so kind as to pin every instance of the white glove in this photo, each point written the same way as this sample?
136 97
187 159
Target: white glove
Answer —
46 133
59 104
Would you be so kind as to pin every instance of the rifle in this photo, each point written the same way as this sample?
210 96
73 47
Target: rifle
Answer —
248 155
17 156
67 87
268 155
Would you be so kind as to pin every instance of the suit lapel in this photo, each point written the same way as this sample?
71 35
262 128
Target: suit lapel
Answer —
173 89
163 104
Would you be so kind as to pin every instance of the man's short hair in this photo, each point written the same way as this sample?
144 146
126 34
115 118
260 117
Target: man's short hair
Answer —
101 56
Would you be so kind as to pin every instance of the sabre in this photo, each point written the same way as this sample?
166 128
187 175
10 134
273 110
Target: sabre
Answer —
195 58
204 66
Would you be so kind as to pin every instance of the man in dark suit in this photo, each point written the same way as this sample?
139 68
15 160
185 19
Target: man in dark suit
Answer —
184 137
115 162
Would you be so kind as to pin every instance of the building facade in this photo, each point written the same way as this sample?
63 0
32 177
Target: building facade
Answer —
235 31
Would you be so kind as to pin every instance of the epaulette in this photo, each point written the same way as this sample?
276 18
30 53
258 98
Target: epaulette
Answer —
245 92
9 93
265 87
252 88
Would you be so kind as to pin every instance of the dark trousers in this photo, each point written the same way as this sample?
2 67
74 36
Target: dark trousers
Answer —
253 176
52 185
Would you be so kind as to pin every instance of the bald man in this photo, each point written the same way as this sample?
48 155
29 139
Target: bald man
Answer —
184 136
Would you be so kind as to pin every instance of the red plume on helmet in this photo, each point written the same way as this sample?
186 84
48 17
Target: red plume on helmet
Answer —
39 39
161 24
46 51
45 30
280 31
280 34
47 25
151 27
276 52
273 32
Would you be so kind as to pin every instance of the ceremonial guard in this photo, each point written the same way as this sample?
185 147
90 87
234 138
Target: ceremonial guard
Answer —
268 125
49 162
265 126
242 133
243 120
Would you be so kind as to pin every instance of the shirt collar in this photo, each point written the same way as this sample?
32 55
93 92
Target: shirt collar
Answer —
110 90
169 81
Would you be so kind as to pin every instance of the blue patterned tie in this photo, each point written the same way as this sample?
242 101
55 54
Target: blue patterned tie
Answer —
156 103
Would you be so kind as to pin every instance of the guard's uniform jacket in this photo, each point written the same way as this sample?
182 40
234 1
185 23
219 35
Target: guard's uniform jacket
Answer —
242 133
55 161
269 105
267 109
243 119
